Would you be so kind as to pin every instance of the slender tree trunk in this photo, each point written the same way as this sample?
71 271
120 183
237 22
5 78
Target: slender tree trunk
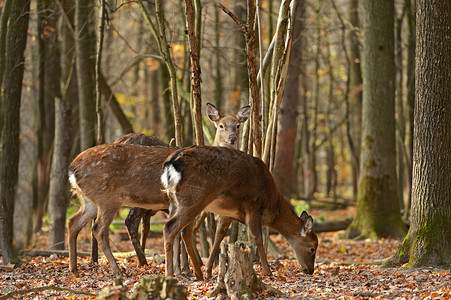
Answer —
59 186
3 32
286 139
218 68
378 212
400 121
410 96
196 71
428 242
49 76
240 80
84 49
311 176
355 85
9 161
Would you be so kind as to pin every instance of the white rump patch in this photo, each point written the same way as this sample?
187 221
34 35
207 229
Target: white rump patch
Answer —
170 177
73 180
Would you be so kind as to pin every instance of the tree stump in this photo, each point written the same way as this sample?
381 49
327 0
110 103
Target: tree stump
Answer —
236 276
117 292
159 287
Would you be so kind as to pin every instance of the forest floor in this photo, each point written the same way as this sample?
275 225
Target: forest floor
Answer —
345 269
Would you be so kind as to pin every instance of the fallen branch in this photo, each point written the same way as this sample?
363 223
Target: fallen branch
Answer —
331 226
44 288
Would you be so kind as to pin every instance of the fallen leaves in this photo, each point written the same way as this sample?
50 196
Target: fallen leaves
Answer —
342 272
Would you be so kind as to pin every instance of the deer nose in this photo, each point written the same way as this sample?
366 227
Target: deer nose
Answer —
232 138
308 271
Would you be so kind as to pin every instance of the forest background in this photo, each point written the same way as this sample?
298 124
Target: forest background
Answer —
324 142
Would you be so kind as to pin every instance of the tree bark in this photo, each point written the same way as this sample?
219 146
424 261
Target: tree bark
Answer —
59 186
355 95
378 212
286 138
410 97
428 242
84 48
49 75
9 161
196 80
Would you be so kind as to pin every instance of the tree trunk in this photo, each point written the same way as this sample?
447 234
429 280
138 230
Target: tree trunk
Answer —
355 86
59 187
84 48
400 121
194 51
378 212
311 177
240 82
3 33
9 161
428 242
410 97
286 138
49 71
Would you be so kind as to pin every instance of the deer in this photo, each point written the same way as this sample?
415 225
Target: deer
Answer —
109 176
227 133
236 186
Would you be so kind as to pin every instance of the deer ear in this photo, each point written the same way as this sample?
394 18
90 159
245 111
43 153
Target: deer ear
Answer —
303 216
243 114
213 113
308 226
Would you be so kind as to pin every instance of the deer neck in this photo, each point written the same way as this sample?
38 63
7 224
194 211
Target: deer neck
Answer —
285 221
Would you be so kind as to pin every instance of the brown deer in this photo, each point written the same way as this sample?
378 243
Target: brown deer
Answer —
235 185
227 133
107 177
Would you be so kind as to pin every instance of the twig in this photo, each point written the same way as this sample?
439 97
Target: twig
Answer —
44 288
234 18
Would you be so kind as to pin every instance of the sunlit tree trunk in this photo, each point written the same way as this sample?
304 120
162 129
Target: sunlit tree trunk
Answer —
378 212
428 242
9 161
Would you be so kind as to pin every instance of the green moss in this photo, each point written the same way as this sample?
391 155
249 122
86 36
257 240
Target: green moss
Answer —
378 212
244 288
431 245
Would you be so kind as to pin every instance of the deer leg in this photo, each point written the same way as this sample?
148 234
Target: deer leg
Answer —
221 231
101 232
180 220
176 252
87 212
146 227
94 247
132 224
187 235
255 227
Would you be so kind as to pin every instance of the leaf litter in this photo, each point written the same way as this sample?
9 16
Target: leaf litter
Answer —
345 269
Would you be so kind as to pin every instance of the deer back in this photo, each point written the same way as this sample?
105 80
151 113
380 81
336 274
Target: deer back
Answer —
226 181
140 139
121 172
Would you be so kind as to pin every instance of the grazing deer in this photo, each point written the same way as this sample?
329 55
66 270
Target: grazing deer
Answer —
235 185
106 177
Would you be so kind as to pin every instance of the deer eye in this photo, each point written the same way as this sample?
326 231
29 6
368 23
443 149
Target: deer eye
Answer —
312 250
221 126
238 126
